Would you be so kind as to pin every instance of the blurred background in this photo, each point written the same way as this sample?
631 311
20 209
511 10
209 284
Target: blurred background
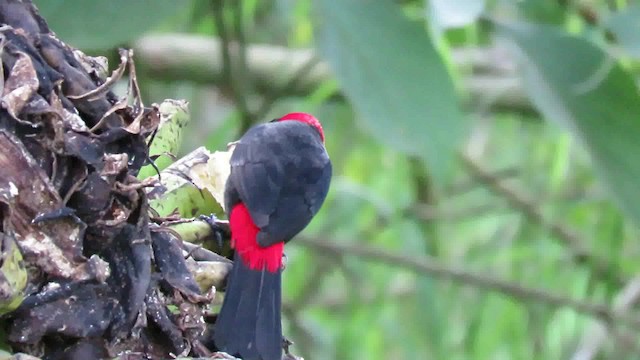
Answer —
485 200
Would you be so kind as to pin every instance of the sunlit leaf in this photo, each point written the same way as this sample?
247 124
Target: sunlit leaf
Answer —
575 83
393 76
445 14
625 26
97 25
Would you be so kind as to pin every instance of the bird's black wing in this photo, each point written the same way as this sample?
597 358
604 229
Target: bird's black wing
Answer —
281 172
300 199
255 179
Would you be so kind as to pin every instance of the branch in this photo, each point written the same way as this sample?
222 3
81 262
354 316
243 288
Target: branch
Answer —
337 302
233 58
524 203
594 339
426 212
430 266
179 57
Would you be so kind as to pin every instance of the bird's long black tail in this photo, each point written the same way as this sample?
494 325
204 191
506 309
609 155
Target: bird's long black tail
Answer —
249 322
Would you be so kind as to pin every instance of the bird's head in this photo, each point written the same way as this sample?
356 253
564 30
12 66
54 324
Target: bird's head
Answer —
305 118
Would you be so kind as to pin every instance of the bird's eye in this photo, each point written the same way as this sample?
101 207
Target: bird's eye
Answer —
274 120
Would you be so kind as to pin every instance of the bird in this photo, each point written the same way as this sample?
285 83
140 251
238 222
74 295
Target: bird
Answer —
280 173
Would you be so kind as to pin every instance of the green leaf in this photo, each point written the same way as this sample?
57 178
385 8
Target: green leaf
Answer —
625 26
391 73
542 11
573 82
174 117
95 25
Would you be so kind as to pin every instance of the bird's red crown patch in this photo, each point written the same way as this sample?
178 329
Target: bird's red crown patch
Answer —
307 119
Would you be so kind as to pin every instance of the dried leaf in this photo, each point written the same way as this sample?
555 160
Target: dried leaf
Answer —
125 57
54 246
21 84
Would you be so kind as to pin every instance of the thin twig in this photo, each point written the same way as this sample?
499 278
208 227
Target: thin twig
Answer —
430 213
236 70
229 71
523 202
338 302
241 82
217 7
595 337
430 266
465 186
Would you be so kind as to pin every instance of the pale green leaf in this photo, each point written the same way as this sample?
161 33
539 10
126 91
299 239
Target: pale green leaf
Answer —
573 82
625 26
391 73
445 14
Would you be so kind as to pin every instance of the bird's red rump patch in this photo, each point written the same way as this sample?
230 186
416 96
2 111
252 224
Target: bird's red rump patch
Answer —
243 240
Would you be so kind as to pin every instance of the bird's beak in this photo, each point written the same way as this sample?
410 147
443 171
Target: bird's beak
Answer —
232 144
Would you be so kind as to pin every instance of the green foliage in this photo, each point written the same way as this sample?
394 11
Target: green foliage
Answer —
387 73
104 24
573 82
625 27
14 274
